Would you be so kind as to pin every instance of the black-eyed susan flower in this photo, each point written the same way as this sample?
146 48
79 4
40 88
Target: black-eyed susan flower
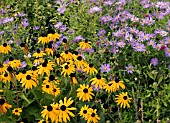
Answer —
84 111
117 84
29 81
5 77
85 44
22 74
50 112
17 111
66 55
46 67
49 50
38 54
93 117
73 79
75 54
80 63
56 36
109 87
5 48
58 59
98 81
47 87
15 64
55 91
123 100
43 40
3 68
67 69
4 106
90 69
84 93
65 110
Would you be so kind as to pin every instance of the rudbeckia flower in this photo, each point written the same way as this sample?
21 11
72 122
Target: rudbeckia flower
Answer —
43 40
85 44
5 77
46 67
84 111
17 111
38 61
3 68
80 63
38 54
98 81
49 49
55 91
85 92
123 100
90 69
50 112
110 87
47 87
117 83
58 59
66 55
4 106
5 48
15 64
28 81
93 117
67 69
73 79
65 110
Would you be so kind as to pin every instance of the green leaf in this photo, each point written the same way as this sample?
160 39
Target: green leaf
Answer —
160 79
150 75
22 96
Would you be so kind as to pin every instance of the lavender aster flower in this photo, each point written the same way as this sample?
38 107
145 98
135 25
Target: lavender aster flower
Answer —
94 9
24 64
154 61
105 68
167 52
130 69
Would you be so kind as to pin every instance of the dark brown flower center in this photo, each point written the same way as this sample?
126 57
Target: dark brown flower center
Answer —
79 58
51 78
90 65
93 114
47 86
54 90
98 76
66 67
63 107
2 101
28 77
125 97
16 110
11 58
49 108
38 50
84 111
5 75
9 69
44 64
5 44
117 80
64 40
85 90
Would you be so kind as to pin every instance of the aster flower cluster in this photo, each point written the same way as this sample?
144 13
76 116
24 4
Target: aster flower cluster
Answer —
84 61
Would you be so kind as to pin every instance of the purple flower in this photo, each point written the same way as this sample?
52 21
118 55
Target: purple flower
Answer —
105 68
58 25
25 24
24 64
101 32
130 69
77 38
95 89
62 10
167 52
94 9
63 28
36 28
154 61
140 47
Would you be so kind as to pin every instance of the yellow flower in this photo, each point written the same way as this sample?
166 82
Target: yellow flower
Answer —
73 79
80 63
55 91
43 121
49 50
85 93
56 36
37 61
117 83
17 111
38 54
5 77
46 67
50 112
66 55
58 59
98 81
5 49
123 100
4 106
93 117
65 110
84 111
44 40
47 87
110 87
28 81
90 69
67 69
15 64
85 44
3 68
